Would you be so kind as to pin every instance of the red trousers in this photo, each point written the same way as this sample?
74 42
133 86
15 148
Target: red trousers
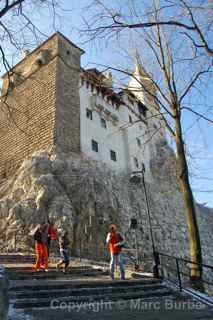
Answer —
41 255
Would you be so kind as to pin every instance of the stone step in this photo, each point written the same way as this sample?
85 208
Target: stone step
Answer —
124 309
69 291
16 258
54 274
29 268
60 285
29 303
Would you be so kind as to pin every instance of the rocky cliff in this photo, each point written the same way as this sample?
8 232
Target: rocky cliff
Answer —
84 197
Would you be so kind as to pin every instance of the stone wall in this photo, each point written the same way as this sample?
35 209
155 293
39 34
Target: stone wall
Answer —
67 130
4 300
27 113
29 125
41 108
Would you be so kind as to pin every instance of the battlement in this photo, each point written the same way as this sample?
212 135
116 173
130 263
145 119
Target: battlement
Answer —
56 45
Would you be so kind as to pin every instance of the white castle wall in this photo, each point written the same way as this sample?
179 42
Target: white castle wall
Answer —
108 139
120 136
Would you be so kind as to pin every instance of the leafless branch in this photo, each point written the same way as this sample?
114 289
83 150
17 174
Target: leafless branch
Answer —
200 115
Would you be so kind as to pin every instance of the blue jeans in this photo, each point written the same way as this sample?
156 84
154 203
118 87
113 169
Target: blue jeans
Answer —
119 259
65 255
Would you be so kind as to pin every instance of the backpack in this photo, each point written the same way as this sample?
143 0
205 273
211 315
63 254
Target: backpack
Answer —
52 233
37 235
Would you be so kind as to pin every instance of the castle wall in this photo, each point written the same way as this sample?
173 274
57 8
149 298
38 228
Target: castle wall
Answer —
125 138
41 106
31 63
137 136
27 118
67 129
155 129
109 137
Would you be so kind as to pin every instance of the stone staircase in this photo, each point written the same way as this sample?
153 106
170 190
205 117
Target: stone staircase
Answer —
54 295
42 295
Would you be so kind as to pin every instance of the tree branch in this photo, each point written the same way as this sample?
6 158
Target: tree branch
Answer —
191 84
8 6
198 114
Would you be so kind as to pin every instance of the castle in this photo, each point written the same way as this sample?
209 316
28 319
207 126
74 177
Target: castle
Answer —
50 102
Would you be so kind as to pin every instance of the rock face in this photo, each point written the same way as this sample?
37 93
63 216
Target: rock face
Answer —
84 197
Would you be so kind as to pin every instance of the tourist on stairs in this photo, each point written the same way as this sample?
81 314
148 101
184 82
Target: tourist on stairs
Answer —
115 242
40 237
52 235
64 251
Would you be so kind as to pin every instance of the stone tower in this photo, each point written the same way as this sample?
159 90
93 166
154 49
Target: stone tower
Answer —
40 104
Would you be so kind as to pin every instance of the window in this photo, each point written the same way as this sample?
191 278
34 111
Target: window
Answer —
89 114
103 123
130 119
142 109
138 142
136 162
94 145
113 155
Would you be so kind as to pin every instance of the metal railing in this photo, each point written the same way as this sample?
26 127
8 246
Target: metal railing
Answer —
178 271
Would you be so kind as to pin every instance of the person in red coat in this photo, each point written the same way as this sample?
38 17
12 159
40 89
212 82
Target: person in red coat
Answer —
115 242
40 237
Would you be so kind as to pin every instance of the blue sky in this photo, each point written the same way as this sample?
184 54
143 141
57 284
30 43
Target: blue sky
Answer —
198 134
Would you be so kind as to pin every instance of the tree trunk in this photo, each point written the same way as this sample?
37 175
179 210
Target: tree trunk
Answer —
194 237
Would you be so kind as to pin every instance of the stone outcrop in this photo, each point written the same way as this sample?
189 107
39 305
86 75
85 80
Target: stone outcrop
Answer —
84 197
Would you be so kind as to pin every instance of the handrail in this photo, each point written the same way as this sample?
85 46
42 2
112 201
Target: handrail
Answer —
185 260
180 273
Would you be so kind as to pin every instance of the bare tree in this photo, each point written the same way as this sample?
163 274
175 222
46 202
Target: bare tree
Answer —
19 32
176 64
17 27
186 15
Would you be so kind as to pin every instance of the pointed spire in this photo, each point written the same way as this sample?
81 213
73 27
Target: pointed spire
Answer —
140 79
139 70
